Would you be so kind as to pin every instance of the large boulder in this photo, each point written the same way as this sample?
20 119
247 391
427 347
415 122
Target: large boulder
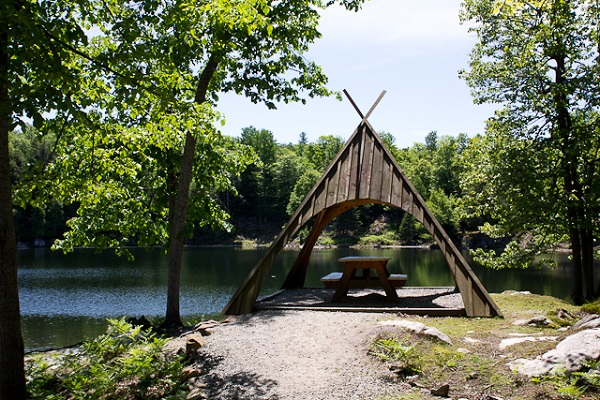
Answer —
571 354
590 321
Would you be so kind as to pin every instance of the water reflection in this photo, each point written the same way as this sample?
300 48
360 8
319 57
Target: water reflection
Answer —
65 298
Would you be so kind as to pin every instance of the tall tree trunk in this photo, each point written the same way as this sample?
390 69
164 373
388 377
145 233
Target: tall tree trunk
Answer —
178 217
580 245
581 233
178 213
576 231
570 180
587 262
12 372
576 280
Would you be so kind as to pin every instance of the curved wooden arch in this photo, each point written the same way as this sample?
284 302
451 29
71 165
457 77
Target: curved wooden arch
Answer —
363 172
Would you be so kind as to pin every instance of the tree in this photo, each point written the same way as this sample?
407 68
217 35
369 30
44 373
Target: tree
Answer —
36 75
288 169
305 182
417 163
28 150
323 151
265 186
434 169
302 142
431 141
534 171
111 72
253 47
257 184
446 163
390 142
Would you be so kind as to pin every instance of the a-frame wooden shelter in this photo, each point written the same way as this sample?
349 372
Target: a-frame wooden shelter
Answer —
363 172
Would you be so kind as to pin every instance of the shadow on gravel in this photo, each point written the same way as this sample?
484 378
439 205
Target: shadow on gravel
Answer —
242 385
256 318
408 297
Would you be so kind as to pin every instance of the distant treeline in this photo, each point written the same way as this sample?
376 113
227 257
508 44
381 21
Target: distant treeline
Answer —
270 190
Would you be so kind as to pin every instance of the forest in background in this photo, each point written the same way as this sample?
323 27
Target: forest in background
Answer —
272 187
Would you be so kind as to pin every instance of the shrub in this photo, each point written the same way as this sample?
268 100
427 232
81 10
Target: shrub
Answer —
326 241
387 238
406 357
124 363
574 385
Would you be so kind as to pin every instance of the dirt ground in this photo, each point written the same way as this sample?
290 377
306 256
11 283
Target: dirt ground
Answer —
296 355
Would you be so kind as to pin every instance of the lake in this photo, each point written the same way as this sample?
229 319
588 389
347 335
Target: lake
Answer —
67 298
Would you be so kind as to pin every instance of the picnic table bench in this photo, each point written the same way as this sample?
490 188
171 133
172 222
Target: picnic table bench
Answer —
332 280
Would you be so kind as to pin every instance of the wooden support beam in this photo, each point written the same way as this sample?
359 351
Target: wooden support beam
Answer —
297 275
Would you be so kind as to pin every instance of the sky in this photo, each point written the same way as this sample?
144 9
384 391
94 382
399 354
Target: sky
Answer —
412 49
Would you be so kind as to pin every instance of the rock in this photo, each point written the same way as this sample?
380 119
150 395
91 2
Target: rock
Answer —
505 343
205 327
516 293
538 320
205 332
563 314
189 372
570 354
193 343
412 381
211 323
441 391
419 329
196 394
590 321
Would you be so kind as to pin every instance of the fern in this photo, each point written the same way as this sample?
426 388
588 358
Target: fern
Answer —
125 362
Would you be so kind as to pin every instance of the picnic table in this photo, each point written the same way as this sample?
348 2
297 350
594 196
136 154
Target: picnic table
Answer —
350 279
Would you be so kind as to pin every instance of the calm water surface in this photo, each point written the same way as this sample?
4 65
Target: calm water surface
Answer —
67 298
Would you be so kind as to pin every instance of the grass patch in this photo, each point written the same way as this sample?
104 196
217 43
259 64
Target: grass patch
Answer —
575 385
476 366
517 305
404 356
591 308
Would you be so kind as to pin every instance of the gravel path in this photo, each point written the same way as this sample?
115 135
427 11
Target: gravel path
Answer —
295 355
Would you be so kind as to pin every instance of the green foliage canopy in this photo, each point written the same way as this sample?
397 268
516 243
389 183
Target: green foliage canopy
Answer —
137 69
